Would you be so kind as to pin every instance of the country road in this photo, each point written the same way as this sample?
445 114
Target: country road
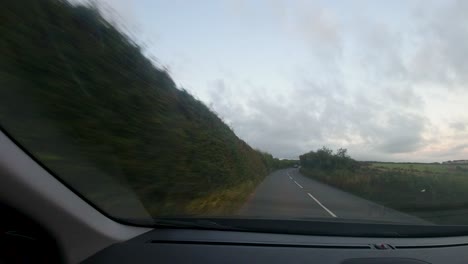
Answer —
288 194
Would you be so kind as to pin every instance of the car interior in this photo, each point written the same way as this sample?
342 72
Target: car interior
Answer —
60 227
328 132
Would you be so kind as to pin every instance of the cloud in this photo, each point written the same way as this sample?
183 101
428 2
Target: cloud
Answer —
443 39
459 148
379 81
319 25
402 134
384 114
312 117
458 126
404 96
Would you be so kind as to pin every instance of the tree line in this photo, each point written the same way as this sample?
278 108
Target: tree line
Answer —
327 160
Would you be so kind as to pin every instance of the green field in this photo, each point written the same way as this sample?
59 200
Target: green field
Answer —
432 191
423 168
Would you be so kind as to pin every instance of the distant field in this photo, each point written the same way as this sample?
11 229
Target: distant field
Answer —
435 192
451 169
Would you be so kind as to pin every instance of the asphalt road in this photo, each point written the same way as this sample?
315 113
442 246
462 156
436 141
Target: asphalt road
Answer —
288 194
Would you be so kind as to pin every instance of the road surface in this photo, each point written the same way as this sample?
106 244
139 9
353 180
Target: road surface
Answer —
288 194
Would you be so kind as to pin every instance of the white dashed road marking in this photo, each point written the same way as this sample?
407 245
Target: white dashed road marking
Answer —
311 196
298 184
319 203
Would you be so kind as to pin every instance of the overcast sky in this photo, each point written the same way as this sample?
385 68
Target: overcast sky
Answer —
385 79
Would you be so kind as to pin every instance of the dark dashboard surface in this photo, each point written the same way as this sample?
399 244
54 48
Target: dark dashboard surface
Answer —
207 246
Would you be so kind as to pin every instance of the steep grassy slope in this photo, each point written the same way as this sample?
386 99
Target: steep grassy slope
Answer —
81 97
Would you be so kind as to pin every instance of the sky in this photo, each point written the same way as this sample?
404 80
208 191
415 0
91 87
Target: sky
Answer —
384 79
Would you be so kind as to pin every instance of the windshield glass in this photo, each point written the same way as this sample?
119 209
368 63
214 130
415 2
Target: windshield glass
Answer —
332 111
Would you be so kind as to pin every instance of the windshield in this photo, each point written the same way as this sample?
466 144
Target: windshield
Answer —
323 111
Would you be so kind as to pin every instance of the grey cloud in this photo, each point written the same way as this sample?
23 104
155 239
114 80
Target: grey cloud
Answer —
458 126
456 152
443 39
401 144
315 115
379 48
383 120
459 148
385 131
402 134
320 25
404 96
218 93
276 127
380 120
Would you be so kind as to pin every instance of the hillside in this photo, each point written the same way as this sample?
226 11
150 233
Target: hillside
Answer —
81 97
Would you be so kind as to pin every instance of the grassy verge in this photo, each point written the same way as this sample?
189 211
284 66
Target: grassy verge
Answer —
430 191
223 202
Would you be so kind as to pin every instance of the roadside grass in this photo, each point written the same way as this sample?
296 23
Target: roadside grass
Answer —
224 202
429 191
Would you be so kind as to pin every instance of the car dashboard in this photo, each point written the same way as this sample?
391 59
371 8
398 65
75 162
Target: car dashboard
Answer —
211 246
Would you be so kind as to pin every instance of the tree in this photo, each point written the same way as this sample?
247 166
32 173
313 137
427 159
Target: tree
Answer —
325 159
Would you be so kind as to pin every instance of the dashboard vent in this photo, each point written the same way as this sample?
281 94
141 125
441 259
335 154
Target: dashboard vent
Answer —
431 246
261 244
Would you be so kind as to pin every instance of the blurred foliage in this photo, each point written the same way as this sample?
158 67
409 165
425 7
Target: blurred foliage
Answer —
81 97
276 164
325 159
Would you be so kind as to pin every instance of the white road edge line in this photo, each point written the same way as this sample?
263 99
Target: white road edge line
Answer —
289 176
319 203
298 184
